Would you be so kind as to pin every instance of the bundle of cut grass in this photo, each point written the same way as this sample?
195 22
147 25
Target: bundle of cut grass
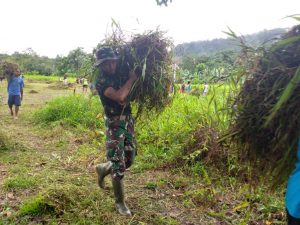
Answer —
7 69
149 55
267 123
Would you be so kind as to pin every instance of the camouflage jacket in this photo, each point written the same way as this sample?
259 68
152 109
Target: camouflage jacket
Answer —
111 108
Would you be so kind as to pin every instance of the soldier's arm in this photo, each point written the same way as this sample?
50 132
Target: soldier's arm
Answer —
121 94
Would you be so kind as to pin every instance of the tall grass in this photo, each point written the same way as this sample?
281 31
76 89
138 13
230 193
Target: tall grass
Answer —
160 138
163 137
72 110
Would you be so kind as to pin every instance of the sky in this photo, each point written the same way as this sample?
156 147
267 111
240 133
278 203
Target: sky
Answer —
55 27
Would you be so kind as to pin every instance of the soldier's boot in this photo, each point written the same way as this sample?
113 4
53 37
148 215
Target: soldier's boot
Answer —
121 206
103 170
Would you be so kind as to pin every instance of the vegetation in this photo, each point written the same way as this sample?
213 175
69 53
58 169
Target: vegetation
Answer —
150 57
72 111
31 63
181 175
208 48
272 85
186 170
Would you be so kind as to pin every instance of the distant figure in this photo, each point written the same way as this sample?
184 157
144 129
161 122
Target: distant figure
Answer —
188 87
171 89
93 88
182 86
65 81
15 92
2 78
205 89
85 85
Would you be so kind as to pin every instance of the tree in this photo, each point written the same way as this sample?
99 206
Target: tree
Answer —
75 59
163 2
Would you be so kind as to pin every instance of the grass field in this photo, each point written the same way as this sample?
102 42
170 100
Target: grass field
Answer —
31 77
47 165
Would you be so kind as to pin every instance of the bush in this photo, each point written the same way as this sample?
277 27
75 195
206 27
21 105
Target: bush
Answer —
36 205
164 138
72 110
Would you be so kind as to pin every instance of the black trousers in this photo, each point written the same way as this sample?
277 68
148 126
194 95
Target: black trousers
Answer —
292 220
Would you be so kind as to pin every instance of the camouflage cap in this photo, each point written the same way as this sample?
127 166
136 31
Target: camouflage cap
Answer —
103 54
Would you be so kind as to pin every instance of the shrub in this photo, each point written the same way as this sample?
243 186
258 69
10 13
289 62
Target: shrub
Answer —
72 110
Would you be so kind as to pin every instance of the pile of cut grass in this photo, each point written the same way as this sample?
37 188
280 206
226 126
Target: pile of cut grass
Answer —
267 119
150 56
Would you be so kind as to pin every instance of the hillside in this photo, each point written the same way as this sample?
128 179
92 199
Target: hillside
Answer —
210 47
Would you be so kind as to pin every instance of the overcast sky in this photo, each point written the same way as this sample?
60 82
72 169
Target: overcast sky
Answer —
54 27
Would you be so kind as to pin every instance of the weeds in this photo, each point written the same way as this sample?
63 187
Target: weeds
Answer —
72 110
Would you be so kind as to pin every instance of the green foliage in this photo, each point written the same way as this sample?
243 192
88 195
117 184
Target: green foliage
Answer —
163 138
73 110
29 61
76 62
19 182
35 205
285 96
266 123
201 69
160 220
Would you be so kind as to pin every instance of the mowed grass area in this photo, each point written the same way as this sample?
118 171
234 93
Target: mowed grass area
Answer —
42 78
47 169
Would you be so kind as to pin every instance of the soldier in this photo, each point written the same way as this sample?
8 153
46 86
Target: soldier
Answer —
113 90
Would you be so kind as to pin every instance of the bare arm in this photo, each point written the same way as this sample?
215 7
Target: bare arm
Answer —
121 94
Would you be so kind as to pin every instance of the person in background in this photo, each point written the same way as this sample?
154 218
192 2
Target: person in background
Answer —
65 80
92 88
85 85
188 87
15 93
113 89
205 89
182 86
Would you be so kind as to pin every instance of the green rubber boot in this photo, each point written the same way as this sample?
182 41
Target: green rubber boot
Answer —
121 206
103 170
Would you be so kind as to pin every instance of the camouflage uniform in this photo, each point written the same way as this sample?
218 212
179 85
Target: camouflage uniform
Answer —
120 143
120 139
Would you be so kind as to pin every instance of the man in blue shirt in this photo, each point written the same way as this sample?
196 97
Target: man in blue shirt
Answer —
15 92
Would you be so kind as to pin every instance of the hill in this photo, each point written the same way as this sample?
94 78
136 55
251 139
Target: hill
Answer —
210 47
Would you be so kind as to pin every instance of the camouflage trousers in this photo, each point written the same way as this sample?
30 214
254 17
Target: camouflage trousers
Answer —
120 144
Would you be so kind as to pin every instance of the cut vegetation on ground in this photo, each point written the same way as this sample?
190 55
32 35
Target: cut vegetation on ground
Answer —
47 161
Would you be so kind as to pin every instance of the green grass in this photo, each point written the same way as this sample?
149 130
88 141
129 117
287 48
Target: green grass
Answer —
35 205
50 168
72 110
162 138
19 182
35 77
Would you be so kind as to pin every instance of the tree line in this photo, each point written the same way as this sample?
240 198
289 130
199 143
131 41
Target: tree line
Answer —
77 62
